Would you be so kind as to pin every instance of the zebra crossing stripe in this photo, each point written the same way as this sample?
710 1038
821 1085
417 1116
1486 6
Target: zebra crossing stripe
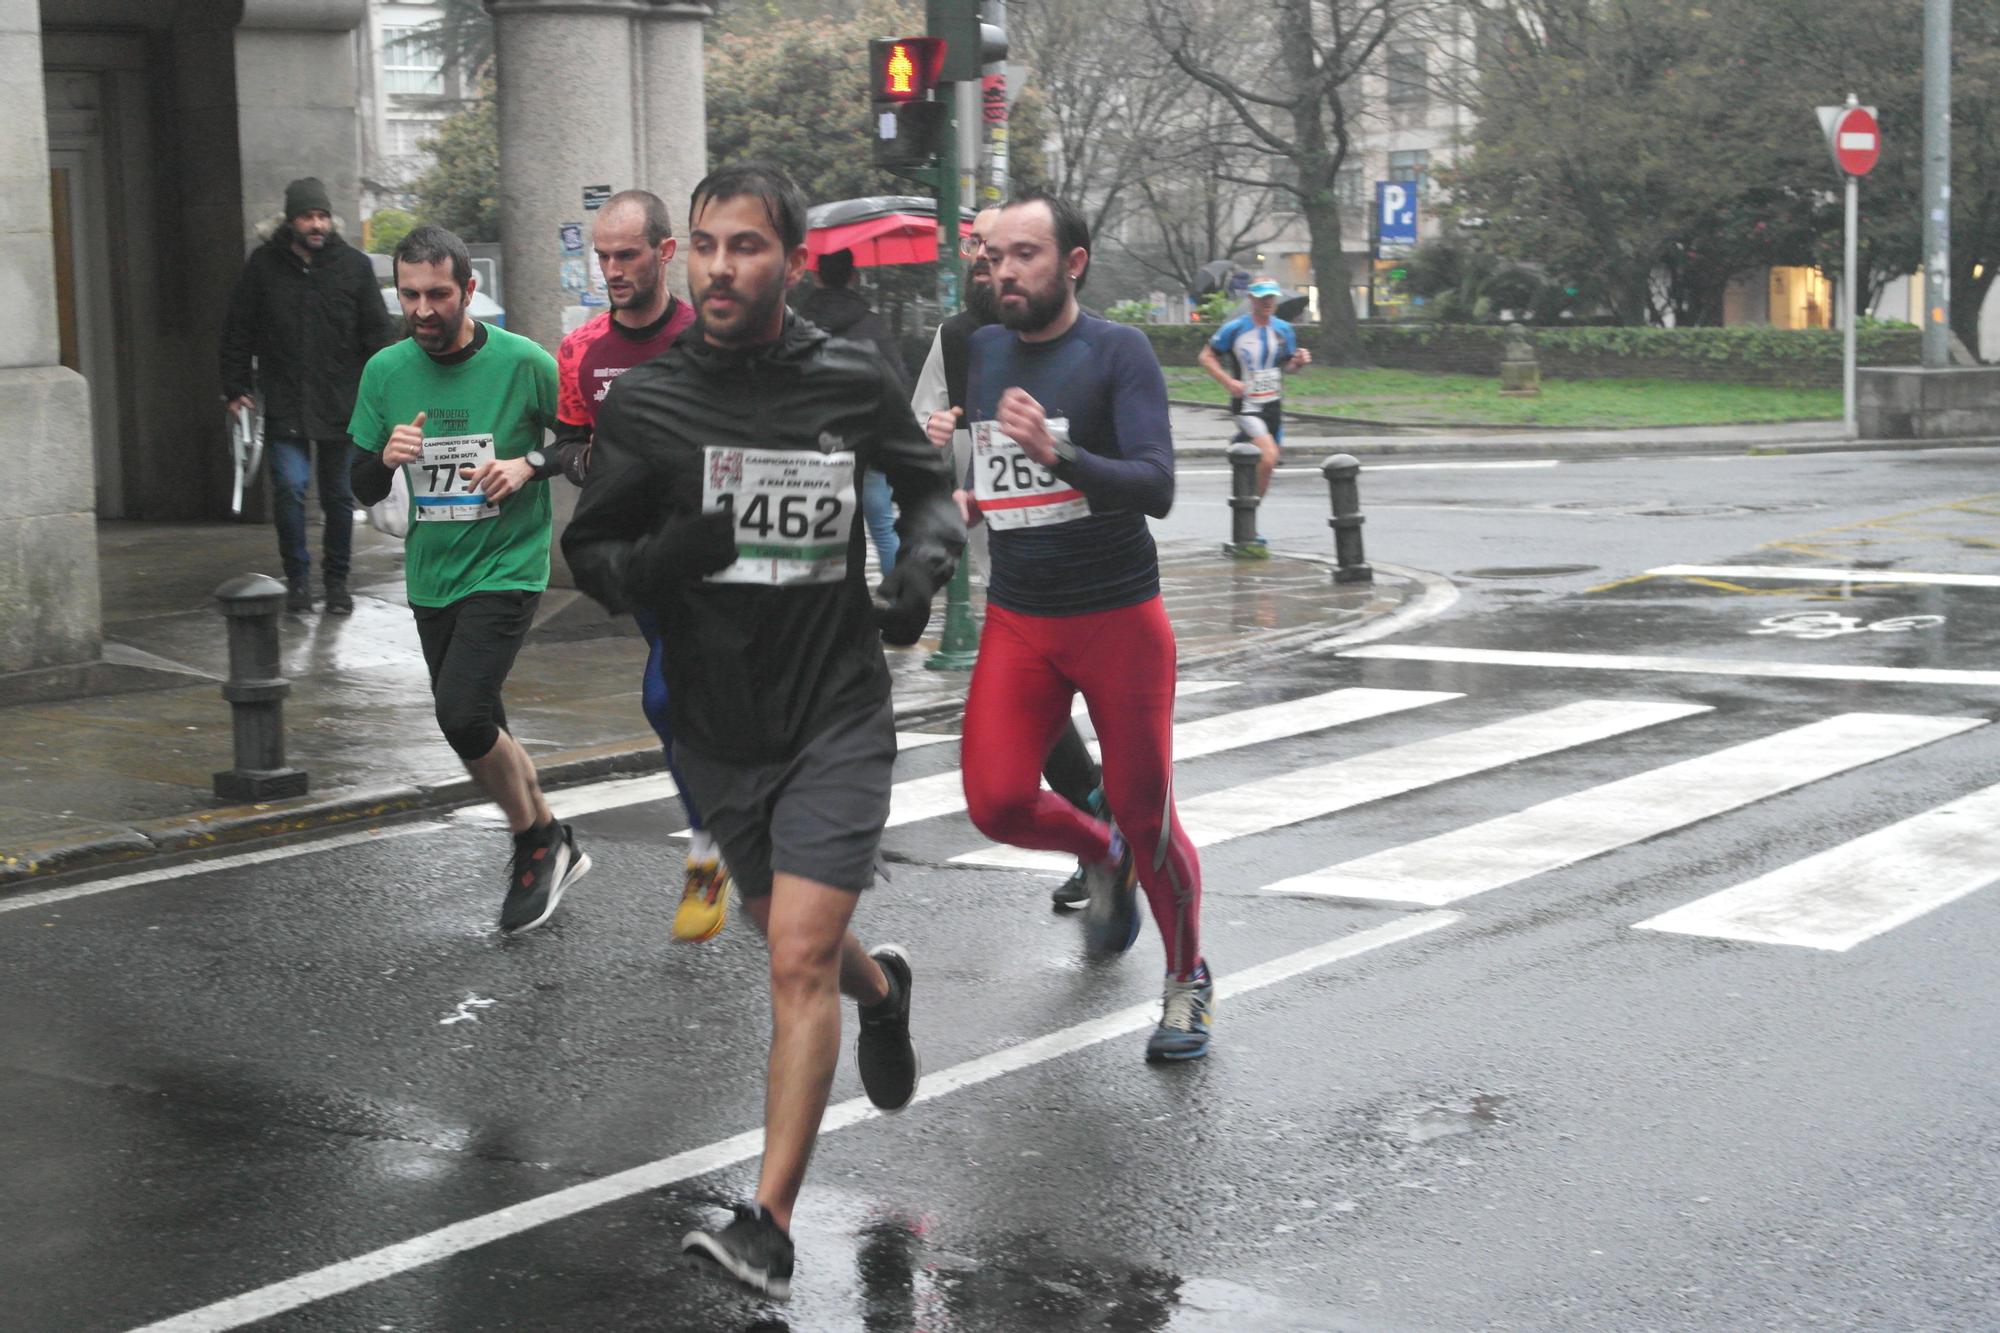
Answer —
944 793
1310 793
1700 666
1545 837
1860 889
1812 574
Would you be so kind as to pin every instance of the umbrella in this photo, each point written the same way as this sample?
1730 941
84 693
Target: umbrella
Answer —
881 229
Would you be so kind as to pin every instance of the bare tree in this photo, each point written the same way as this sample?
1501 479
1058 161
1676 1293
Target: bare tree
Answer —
1288 72
1194 210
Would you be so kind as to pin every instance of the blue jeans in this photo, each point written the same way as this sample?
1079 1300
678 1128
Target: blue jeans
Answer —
291 465
878 510
653 699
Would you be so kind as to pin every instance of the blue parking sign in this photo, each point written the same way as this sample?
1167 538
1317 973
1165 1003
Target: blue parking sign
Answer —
1395 217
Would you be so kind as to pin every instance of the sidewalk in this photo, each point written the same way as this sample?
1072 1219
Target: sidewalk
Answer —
1203 431
122 771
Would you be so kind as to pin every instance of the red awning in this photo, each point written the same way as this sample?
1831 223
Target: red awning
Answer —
893 238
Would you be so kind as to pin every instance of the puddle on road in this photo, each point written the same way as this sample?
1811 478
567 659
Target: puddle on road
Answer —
1443 1120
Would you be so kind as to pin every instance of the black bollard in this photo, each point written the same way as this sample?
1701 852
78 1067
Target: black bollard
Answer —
1243 543
1343 479
256 693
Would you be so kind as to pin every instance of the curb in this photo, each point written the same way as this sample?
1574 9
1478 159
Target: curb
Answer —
1365 448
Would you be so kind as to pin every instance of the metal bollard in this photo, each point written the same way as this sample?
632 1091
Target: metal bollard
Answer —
256 693
1243 543
1343 479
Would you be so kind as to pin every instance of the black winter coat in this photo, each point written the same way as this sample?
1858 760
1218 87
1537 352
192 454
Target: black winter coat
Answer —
754 672
311 328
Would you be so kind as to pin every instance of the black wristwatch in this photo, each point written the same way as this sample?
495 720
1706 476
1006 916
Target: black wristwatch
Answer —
543 465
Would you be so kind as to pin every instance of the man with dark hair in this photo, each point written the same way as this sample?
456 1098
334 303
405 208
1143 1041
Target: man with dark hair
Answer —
722 497
461 408
836 307
939 402
1071 453
634 240
307 311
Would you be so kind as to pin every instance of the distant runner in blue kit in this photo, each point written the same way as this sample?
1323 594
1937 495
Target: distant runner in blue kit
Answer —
1071 453
1259 348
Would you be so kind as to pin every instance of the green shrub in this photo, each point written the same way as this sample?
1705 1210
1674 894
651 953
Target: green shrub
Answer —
1130 312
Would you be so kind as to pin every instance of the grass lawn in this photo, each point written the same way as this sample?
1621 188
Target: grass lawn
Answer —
1408 397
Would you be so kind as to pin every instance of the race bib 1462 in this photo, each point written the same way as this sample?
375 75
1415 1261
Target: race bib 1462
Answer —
794 512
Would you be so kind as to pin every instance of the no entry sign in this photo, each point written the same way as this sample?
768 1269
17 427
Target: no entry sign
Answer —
1854 136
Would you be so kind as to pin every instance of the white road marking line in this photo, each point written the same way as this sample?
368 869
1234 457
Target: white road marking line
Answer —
391 1260
24 901
1809 574
1554 834
1863 888
924 798
1458 467
1311 793
917 740
1700 666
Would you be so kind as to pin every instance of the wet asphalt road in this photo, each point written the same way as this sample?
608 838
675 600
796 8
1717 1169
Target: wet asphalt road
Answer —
1509 1111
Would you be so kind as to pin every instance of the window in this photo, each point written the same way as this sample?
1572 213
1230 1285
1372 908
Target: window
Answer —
410 64
1411 166
1350 189
401 138
1409 85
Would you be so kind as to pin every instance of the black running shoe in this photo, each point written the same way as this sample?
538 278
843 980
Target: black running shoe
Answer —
339 601
1074 892
753 1249
298 596
543 867
884 1052
1111 917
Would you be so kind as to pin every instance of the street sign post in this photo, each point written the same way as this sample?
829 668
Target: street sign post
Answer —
1854 137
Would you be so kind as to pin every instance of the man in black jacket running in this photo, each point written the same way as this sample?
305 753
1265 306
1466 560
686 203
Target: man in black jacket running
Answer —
307 308
722 497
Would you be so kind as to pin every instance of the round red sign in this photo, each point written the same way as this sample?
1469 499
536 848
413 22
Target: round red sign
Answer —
1857 141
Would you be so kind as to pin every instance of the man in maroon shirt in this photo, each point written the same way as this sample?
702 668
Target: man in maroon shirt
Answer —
634 240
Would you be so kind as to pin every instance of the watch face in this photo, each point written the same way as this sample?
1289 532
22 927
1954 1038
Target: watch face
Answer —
537 459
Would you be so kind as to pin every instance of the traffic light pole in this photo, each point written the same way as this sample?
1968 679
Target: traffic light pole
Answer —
959 647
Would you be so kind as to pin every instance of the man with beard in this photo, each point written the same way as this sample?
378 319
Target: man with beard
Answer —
306 309
1070 453
634 240
462 408
939 403
722 496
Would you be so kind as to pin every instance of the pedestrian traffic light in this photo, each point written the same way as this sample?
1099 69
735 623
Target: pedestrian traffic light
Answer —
909 124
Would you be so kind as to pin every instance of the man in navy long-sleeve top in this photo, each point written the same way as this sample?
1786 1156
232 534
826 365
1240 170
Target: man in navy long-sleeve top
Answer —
1071 452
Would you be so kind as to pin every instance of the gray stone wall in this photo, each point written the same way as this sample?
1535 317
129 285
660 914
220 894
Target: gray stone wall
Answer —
48 531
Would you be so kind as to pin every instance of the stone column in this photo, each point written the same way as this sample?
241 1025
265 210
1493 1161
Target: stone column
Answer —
48 527
676 123
296 105
569 117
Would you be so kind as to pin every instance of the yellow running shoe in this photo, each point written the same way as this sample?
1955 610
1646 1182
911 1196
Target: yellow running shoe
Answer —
704 902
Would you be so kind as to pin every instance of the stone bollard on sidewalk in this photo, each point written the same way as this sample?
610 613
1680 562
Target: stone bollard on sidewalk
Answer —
1520 373
1243 543
256 693
1343 480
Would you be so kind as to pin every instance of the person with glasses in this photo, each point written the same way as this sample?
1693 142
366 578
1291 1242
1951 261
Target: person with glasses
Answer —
939 402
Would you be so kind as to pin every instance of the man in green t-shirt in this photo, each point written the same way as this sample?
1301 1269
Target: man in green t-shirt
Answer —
461 408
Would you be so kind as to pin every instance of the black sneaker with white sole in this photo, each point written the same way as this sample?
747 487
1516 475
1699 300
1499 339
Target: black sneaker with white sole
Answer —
884 1052
544 865
753 1249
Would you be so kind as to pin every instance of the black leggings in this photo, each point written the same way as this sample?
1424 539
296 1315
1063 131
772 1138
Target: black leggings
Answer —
1071 772
470 647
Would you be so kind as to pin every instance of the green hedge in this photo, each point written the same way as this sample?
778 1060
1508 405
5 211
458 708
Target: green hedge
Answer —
1744 354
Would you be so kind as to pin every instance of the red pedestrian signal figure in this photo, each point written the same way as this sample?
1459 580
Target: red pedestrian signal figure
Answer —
902 72
909 125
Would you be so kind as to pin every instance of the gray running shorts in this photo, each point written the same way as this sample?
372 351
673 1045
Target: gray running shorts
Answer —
818 815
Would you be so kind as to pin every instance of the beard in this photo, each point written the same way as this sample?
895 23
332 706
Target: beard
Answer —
443 337
641 295
982 303
1040 309
753 315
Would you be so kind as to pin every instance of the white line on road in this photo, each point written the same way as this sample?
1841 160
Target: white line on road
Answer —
1812 574
389 1261
1311 793
1701 666
21 902
1455 865
1380 467
1860 889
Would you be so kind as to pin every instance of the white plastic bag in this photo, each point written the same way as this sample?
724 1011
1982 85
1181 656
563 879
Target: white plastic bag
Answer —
391 514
